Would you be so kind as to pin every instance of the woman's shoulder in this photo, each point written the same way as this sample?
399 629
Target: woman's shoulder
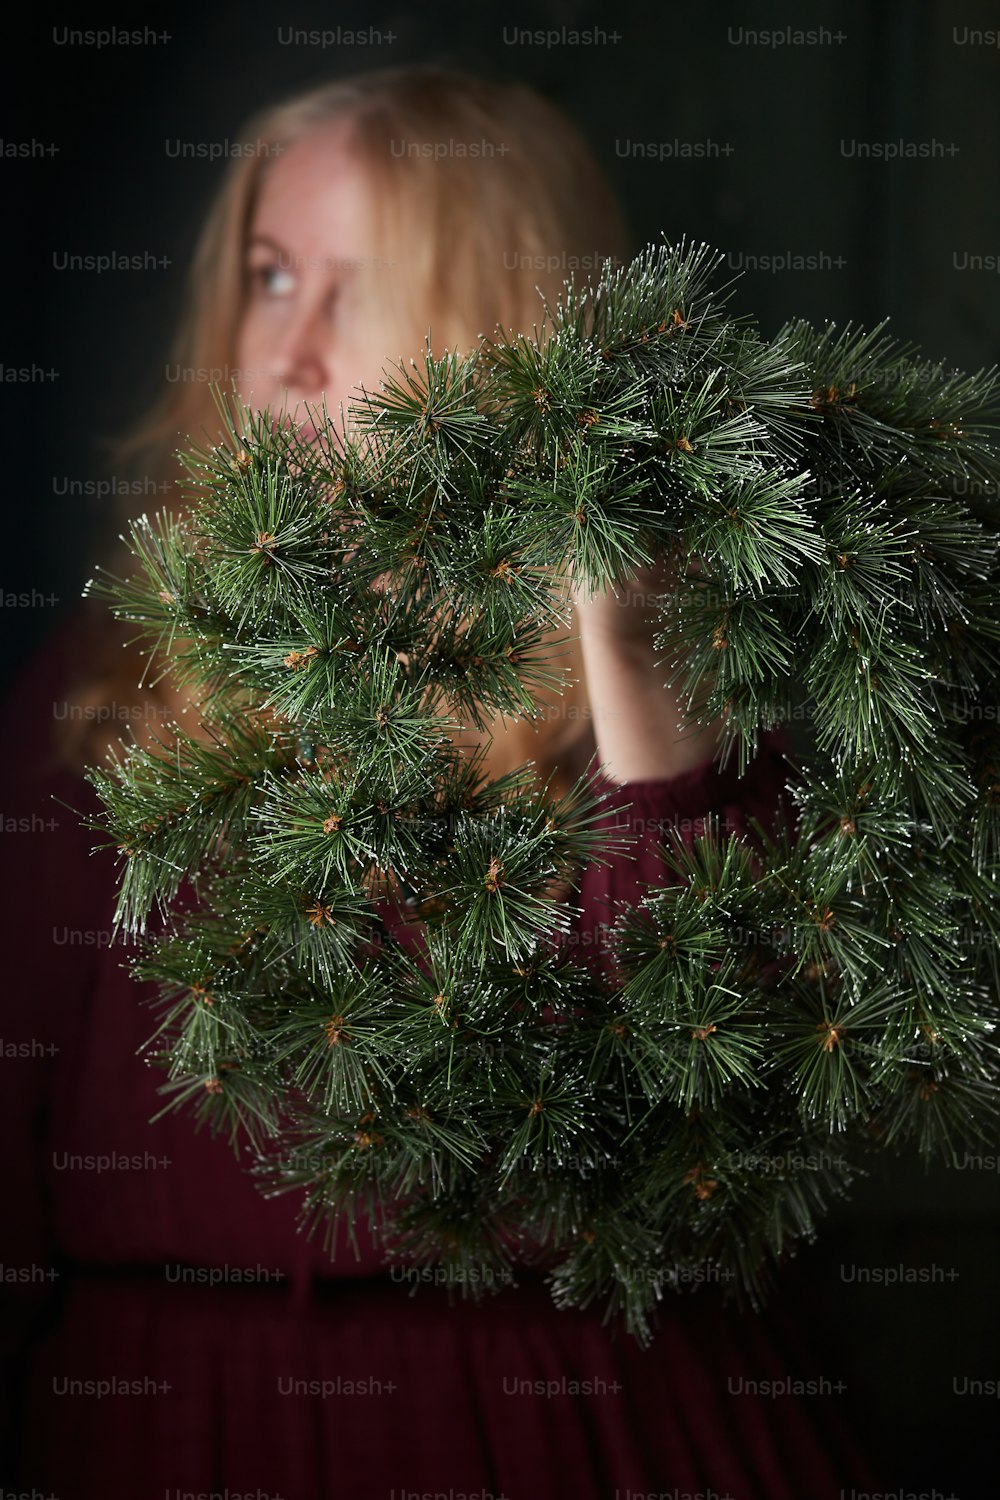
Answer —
58 692
77 641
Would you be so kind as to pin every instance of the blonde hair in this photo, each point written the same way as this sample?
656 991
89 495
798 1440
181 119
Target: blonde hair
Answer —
495 197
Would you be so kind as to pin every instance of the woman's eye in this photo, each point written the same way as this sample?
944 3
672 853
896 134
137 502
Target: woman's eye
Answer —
274 281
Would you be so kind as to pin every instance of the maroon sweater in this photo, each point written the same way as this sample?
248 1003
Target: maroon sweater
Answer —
168 1330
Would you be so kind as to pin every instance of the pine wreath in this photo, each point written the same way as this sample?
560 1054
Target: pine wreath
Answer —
340 607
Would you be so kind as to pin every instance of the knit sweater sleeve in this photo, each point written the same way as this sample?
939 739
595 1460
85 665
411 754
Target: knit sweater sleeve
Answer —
645 812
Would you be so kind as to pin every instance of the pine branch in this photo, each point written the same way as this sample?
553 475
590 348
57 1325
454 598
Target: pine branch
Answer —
785 1002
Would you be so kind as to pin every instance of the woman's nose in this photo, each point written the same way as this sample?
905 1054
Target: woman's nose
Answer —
301 360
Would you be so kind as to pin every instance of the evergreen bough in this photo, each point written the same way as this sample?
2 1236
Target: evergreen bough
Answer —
787 1004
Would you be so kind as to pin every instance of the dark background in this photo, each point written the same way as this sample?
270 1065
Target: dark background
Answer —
891 236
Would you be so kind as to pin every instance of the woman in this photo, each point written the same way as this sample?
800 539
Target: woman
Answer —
173 1333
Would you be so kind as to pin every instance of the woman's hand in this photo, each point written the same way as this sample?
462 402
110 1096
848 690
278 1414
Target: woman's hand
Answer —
637 720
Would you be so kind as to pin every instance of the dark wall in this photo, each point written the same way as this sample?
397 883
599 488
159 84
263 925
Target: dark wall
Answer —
781 177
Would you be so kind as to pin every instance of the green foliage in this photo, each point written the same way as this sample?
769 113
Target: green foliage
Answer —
783 1004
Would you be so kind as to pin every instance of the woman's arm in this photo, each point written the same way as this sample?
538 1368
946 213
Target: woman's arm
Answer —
636 719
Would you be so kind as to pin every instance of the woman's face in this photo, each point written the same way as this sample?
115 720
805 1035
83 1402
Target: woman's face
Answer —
312 321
